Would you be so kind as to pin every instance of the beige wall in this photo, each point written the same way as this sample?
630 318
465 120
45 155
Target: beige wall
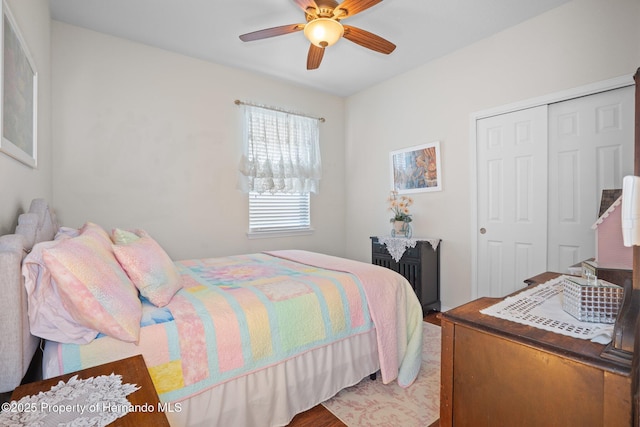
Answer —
20 183
151 139
148 138
582 42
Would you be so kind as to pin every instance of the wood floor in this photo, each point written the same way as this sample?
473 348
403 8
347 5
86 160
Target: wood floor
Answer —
319 416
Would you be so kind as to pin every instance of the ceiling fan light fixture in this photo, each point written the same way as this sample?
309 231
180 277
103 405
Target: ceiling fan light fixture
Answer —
323 32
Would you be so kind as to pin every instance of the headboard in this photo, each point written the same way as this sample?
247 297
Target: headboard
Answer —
17 345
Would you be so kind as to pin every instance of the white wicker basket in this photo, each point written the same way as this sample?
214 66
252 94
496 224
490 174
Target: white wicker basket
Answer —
591 302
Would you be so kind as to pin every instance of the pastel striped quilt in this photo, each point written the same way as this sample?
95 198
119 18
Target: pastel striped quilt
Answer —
395 312
235 315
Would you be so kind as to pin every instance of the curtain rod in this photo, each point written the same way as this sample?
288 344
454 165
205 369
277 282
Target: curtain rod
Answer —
238 102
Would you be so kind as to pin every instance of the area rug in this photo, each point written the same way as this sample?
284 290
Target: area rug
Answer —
371 403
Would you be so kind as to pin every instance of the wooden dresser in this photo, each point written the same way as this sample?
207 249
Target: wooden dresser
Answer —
419 265
500 373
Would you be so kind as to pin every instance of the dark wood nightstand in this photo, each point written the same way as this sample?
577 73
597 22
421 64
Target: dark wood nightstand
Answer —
419 265
133 371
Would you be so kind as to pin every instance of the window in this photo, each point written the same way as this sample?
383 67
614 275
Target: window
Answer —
280 167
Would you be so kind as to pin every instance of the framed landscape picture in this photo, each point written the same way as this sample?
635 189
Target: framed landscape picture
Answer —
19 94
416 169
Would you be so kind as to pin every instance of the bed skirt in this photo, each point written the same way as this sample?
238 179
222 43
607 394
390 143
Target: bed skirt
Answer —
274 395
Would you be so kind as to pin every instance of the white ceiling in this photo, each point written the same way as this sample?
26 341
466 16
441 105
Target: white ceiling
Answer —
208 29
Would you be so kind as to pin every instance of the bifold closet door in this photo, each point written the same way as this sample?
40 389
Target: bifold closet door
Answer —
590 149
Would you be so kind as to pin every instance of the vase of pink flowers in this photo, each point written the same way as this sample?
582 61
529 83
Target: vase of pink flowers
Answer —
399 206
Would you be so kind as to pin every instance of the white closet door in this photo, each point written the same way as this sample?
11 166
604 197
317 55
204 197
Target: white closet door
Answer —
590 149
512 199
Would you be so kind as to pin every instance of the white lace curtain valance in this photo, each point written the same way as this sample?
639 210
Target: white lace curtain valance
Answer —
281 152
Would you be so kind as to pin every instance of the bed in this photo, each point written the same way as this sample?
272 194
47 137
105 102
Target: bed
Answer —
248 339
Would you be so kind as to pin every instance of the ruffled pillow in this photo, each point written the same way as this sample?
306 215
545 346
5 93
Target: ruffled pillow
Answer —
92 285
148 266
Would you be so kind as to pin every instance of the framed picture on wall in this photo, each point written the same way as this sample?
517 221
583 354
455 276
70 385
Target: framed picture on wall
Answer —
19 93
416 169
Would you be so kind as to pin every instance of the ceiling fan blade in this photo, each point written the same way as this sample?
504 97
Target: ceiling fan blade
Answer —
306 4
368 40
271 32
314 58
351 7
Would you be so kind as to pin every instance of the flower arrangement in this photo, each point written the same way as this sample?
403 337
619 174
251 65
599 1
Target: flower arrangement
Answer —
399 205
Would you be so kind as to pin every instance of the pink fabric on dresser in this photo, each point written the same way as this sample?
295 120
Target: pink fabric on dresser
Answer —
149 268
610 249
92 286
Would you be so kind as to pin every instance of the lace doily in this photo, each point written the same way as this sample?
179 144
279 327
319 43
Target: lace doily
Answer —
541 307
89 402
396 246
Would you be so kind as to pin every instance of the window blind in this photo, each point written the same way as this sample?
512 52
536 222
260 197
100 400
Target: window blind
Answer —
280 166
279 212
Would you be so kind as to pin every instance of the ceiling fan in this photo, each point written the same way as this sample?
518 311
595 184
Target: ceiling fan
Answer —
323 28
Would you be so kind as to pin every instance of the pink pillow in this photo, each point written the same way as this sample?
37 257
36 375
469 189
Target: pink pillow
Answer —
48 317
92 286
149 267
